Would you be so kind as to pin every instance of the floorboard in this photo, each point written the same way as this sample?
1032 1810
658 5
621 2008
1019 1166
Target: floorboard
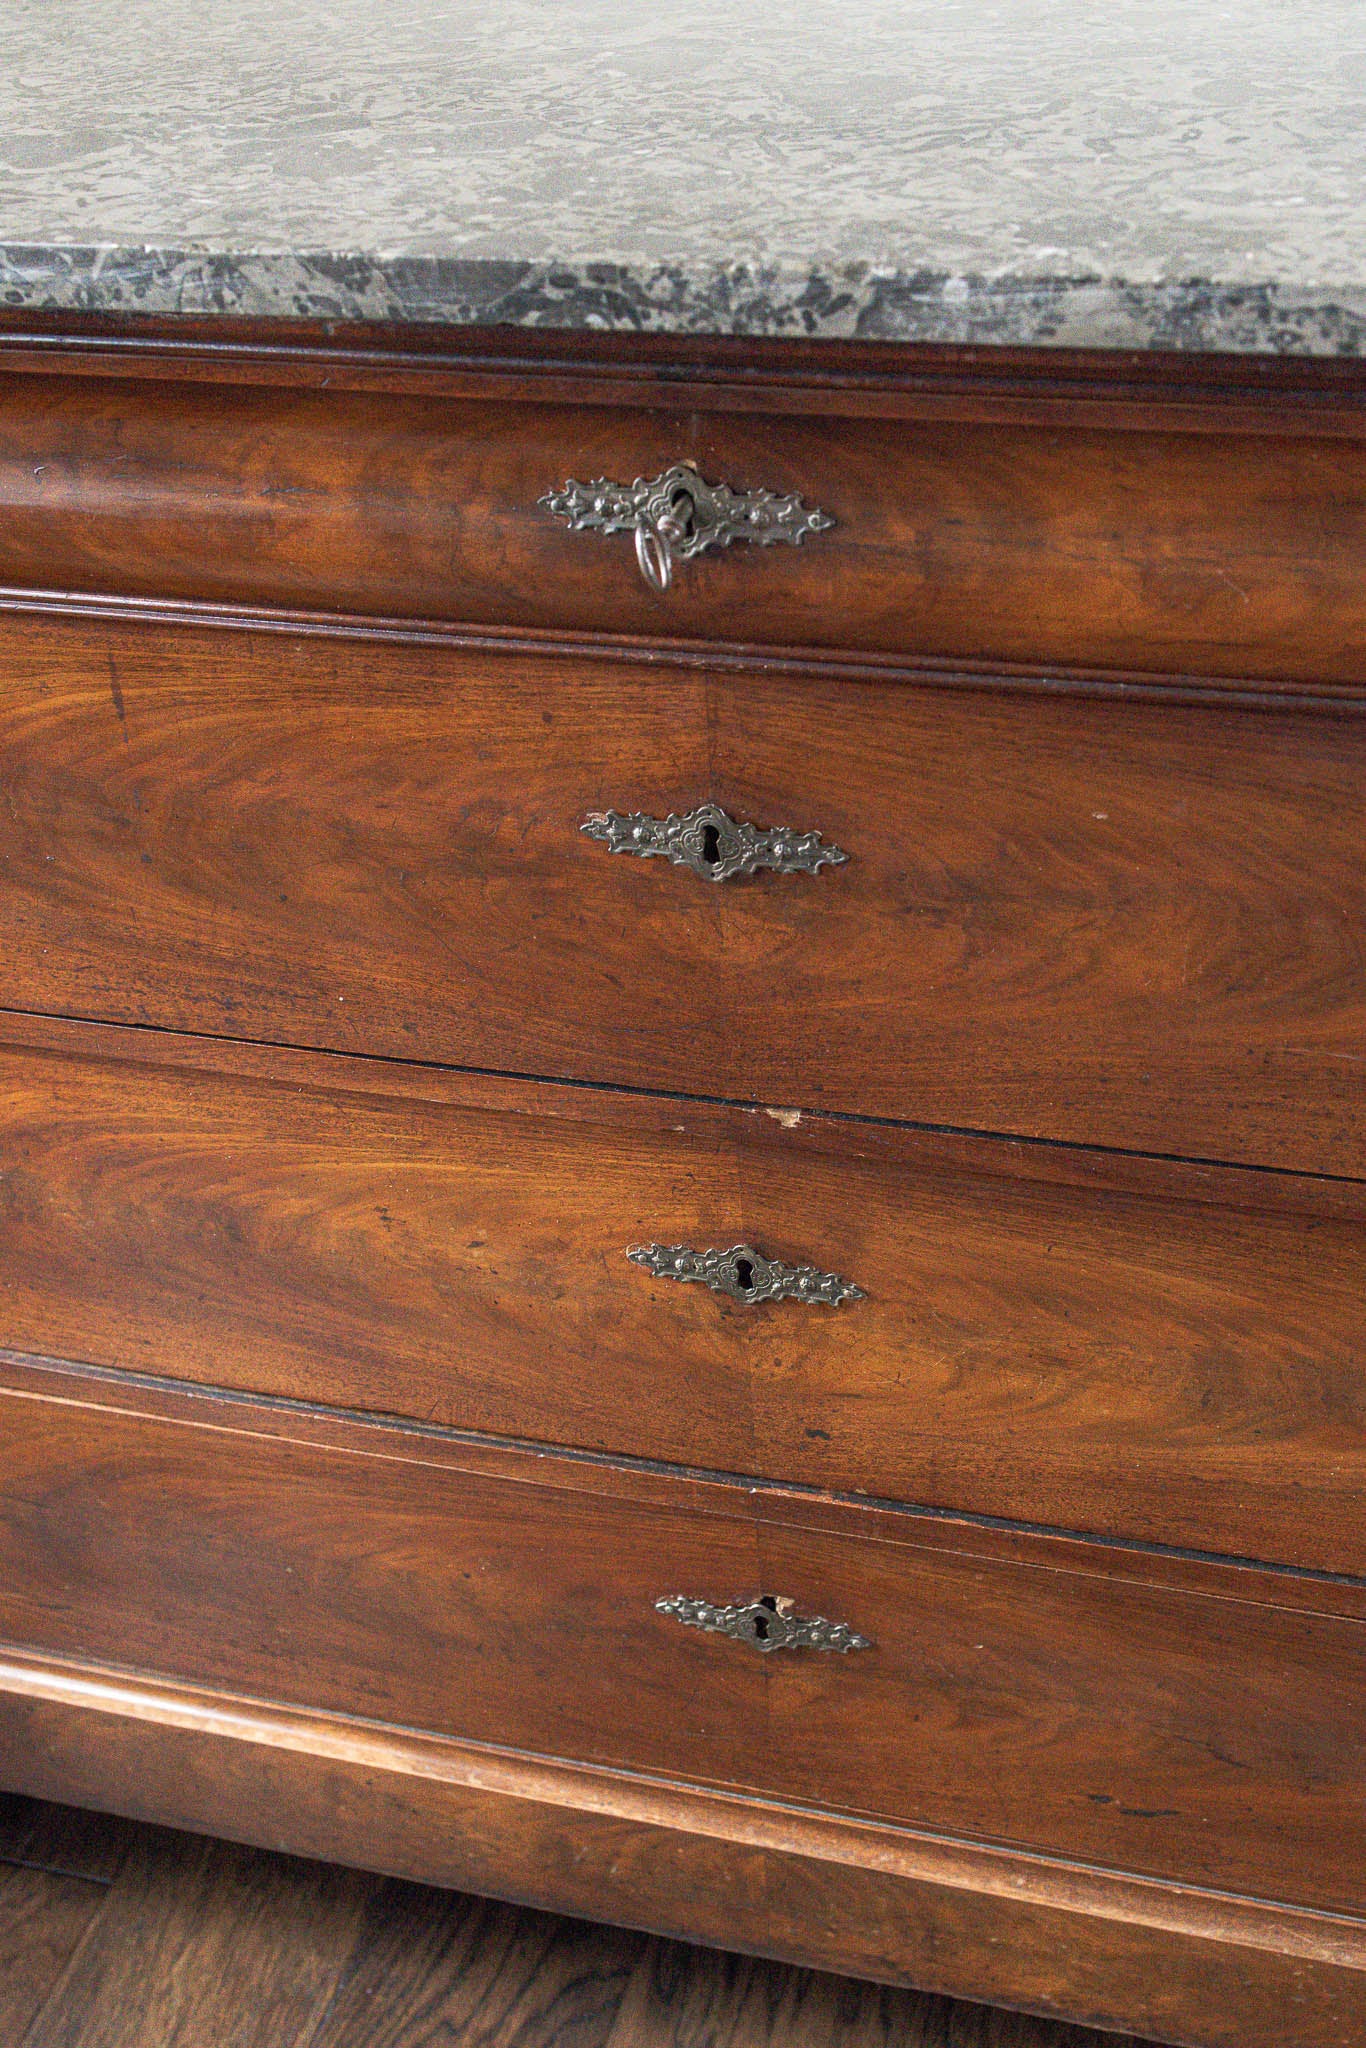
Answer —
434 1970
43 1918
201 1944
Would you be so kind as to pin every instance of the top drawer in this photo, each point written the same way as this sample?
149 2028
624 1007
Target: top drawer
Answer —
1228 554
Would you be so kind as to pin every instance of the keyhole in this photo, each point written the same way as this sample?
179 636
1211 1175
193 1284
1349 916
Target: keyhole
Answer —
711 845
761 1628
744 1274
684 512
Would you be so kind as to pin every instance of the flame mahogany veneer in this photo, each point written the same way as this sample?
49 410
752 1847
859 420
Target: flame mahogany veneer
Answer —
344 1455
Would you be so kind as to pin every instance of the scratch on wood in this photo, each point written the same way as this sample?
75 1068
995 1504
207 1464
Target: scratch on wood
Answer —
117 694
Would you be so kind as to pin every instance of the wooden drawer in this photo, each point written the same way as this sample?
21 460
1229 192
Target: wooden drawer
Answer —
1138 1350
1224 553
1109 923
1027 1692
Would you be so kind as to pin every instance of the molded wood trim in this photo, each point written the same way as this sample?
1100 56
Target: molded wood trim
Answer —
1165 1960
724 1816
814 665
1121 388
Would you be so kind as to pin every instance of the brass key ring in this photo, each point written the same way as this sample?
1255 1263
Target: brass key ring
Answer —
654 551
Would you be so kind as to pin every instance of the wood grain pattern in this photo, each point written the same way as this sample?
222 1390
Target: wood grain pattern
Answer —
43 1918
1229 554
1047 681
1139 1360
1175 1733
431 1970
1090 1950
191 1947
1090 921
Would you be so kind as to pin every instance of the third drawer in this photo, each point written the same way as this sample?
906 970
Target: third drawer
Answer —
1138 1349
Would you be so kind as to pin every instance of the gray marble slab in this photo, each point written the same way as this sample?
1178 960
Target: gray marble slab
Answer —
1169 174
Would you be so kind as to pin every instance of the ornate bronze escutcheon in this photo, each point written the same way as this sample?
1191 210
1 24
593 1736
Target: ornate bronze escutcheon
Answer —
711 843
766 1624
745 1274
676 515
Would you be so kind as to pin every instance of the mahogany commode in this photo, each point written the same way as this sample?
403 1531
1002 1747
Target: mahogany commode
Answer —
682 1175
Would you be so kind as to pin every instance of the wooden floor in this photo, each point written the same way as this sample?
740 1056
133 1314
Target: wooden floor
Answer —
119 1936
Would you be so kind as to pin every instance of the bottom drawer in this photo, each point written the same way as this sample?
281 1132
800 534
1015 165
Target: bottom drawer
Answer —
1025 1689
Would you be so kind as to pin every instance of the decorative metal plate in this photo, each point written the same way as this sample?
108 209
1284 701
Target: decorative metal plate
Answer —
676 515
712 843
766 1624
744 1274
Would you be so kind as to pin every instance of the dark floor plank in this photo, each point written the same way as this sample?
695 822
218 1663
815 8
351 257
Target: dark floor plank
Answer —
200 1944
62 1838
43 1916
16 1819
437 1970
683 1997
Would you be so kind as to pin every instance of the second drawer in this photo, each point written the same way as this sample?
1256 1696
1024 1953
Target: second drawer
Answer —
1106 923
1131 1348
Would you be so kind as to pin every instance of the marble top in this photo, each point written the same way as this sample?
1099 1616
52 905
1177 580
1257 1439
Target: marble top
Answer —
1174 174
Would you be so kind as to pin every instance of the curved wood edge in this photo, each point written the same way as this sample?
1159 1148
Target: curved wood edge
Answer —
1119 388
813 664
1064 1940
900 1852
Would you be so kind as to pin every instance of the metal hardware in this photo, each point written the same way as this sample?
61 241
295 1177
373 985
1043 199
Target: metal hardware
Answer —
767 1624
676 515
711 843
744 1274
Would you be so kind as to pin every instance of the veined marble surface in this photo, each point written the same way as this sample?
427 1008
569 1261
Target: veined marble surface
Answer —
1174 174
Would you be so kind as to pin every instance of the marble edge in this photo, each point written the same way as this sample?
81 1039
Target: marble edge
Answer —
822 301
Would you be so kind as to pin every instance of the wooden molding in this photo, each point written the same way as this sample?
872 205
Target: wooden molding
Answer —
1167 1961
812 664
1079 387
990 1869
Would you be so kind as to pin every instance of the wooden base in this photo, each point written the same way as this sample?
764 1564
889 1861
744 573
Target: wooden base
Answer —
1173 1962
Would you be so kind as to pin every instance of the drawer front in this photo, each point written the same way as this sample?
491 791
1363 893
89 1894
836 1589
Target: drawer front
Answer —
1158 1729
1218 553
1106 923
1148 1364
